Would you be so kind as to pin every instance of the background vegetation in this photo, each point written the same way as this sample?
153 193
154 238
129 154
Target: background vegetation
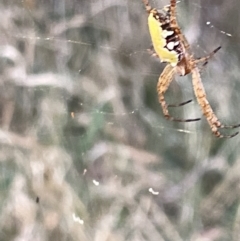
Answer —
85 153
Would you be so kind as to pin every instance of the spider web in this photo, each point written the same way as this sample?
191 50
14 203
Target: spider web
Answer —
85 148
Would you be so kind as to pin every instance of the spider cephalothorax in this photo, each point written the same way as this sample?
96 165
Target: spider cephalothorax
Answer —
171 46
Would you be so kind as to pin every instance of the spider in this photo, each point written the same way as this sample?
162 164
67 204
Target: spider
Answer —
171 46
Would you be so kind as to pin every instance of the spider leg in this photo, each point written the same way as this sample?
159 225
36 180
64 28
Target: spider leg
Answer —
180 104
154 54
163 83
207 110
229 127
173 14
206 58
147 6
219 135
230 136
174 24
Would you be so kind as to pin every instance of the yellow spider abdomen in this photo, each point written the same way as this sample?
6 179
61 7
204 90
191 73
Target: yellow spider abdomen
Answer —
164 50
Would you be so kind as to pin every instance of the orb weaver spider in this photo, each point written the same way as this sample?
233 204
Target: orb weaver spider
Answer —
171 46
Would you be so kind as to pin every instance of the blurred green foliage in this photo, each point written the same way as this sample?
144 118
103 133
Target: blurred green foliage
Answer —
85 151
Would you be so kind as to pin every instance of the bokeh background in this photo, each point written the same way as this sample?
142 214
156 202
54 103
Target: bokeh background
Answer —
85 153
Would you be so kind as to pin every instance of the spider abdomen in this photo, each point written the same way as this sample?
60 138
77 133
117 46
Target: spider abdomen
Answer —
165 41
